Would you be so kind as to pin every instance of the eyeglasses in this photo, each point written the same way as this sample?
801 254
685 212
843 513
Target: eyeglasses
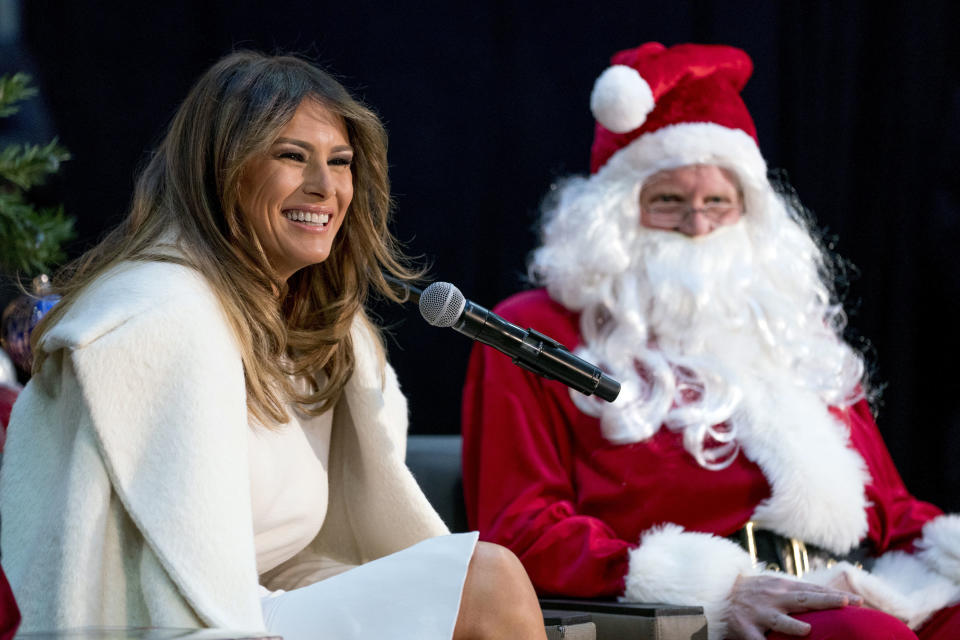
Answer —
675 213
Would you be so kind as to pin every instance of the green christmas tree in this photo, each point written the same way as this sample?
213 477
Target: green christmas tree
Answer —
31 238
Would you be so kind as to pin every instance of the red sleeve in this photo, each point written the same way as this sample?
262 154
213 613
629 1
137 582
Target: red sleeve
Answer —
7 397
517 464
894 516
9 612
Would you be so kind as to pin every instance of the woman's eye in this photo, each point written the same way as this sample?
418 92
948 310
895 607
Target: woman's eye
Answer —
293 155
341 162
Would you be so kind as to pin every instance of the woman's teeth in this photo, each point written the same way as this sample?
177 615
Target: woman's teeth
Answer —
307 217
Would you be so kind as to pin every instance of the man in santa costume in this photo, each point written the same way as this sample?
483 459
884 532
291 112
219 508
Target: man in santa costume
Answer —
740 469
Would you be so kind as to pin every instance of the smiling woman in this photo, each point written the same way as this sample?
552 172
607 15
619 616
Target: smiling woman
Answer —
296 194
209 394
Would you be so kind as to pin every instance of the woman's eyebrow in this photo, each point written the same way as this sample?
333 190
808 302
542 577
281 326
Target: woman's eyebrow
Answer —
295 142
309 147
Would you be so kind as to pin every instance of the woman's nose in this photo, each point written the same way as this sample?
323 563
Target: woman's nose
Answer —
317 181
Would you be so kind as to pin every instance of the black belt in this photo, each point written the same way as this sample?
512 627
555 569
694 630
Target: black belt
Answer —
770 550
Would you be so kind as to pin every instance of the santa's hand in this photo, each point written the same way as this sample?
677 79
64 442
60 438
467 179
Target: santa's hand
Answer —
763 603
843 582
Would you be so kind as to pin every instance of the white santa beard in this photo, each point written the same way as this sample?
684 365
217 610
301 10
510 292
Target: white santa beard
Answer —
704 308
693 290
683 303
699 337
709 305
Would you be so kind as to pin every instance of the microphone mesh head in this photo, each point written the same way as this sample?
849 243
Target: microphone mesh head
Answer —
441 304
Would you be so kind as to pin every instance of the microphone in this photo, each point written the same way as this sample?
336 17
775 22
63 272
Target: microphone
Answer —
442 305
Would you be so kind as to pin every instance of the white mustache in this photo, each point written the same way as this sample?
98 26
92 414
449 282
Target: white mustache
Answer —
703 313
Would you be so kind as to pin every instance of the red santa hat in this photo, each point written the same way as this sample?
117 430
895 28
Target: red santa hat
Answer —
658 108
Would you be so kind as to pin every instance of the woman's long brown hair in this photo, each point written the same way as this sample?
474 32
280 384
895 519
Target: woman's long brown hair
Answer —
188 191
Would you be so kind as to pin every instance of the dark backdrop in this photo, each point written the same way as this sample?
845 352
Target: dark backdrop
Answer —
486 105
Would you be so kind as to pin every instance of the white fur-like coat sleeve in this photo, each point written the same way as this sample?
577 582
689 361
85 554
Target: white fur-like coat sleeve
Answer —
125 485
689 568
137 425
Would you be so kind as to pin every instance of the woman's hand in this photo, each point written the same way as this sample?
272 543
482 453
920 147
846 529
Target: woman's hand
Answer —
762 603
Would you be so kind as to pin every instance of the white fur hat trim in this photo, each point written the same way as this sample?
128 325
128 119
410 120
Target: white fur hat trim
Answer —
621 99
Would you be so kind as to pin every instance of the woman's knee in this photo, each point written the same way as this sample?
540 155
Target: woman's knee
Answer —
498 596
498 572
498 558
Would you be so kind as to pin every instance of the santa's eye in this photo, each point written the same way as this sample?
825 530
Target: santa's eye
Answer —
667 197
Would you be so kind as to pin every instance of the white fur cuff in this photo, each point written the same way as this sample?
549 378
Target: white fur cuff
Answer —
899 584
940 545
682 567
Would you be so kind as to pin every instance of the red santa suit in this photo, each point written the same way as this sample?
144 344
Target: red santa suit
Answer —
637 515
587 517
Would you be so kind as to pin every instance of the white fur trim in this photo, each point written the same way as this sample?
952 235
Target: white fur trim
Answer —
621 99
899 584
816 478
679 145
685 567
940 545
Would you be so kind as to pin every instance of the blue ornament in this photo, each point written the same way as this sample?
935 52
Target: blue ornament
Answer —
19 319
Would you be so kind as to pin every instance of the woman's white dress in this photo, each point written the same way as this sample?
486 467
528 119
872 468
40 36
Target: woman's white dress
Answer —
414 593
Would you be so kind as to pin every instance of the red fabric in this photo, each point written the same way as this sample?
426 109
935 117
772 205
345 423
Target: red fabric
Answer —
540 479
850 623
689 83
9 612
944 625
7 397
856 623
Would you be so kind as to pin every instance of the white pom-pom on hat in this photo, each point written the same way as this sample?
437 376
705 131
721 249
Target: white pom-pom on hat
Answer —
621 99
